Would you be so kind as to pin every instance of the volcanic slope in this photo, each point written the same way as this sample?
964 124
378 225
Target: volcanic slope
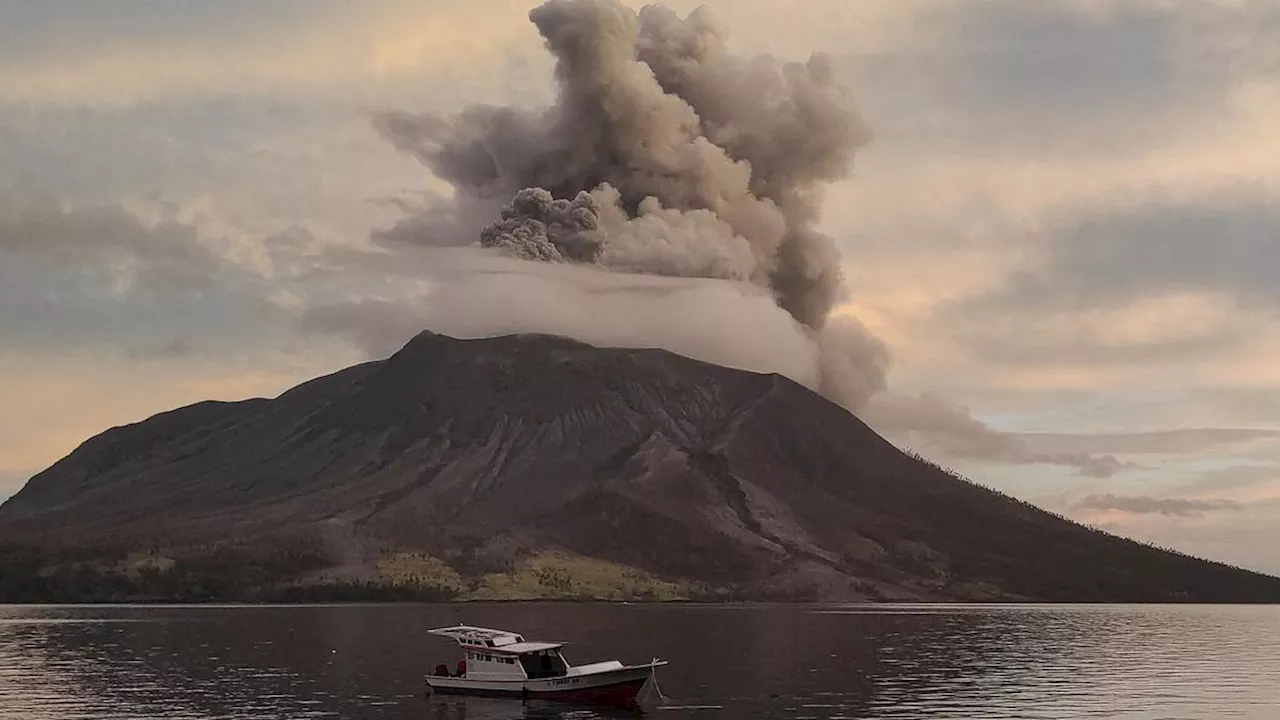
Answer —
482 457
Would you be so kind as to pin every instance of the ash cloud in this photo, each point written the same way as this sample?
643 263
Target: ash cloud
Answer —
693 317
664 154
536 226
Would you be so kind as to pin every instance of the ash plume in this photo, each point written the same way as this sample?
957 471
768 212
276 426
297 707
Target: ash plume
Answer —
668 198
663 154
536 226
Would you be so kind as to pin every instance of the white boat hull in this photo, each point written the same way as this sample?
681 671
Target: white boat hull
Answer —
607 683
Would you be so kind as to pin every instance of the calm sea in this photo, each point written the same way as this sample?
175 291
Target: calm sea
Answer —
933 661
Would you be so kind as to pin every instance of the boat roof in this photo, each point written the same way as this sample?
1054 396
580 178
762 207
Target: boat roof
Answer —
528 647
503 640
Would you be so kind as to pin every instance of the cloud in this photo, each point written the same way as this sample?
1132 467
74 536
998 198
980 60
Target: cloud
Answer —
1183 441
63 53
1258 481
1148 42
1142 504
1016 78
109 240
1121 57
473 293
668 155
53 402
933 425
11 483
143 52
1105 258
182 347
106 278
1094 267
376 326
1003 233
1246 538
1185 327
1140 293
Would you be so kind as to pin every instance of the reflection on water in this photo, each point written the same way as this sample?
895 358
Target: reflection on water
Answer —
1128 662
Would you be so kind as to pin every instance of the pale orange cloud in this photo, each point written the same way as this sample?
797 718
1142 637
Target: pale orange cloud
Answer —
331 47
463 42
52 404
924 231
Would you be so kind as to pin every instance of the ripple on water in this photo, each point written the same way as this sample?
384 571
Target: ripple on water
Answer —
892 663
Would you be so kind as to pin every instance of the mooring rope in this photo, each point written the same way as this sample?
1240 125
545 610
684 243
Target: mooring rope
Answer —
656 688
668 703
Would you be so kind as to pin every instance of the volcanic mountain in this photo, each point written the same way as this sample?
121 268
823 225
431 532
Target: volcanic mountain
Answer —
468 462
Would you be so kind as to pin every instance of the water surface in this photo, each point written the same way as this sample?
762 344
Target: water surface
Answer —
933 661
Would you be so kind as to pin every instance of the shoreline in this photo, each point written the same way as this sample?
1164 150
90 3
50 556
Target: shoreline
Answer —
901 604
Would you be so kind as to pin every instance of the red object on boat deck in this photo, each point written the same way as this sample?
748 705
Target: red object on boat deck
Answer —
462 668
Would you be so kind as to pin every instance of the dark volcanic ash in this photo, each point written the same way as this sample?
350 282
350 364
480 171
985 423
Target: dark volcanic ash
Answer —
664 154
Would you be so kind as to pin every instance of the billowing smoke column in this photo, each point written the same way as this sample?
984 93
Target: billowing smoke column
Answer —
664 154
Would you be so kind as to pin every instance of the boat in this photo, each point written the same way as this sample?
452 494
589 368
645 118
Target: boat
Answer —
503 664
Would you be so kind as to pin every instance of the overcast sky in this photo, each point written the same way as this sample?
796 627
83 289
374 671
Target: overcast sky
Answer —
1066 227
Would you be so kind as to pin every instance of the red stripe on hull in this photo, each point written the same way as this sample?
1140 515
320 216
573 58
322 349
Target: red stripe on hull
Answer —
621 694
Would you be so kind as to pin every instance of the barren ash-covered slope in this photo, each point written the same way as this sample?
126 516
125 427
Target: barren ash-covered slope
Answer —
526 466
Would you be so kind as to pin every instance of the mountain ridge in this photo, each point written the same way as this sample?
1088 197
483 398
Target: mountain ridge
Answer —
478 457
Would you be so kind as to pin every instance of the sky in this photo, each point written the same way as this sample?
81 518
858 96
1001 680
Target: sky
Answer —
1065 228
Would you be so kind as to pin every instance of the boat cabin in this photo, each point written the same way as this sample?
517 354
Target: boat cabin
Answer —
500 655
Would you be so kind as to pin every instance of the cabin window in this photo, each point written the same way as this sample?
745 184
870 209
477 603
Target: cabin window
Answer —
543 664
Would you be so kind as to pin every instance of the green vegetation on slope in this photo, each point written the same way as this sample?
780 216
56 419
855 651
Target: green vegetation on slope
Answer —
55 574
29 574
564 575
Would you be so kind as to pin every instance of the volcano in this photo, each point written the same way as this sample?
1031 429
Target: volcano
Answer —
504 466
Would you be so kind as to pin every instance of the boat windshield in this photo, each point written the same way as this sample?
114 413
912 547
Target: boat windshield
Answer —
543 664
